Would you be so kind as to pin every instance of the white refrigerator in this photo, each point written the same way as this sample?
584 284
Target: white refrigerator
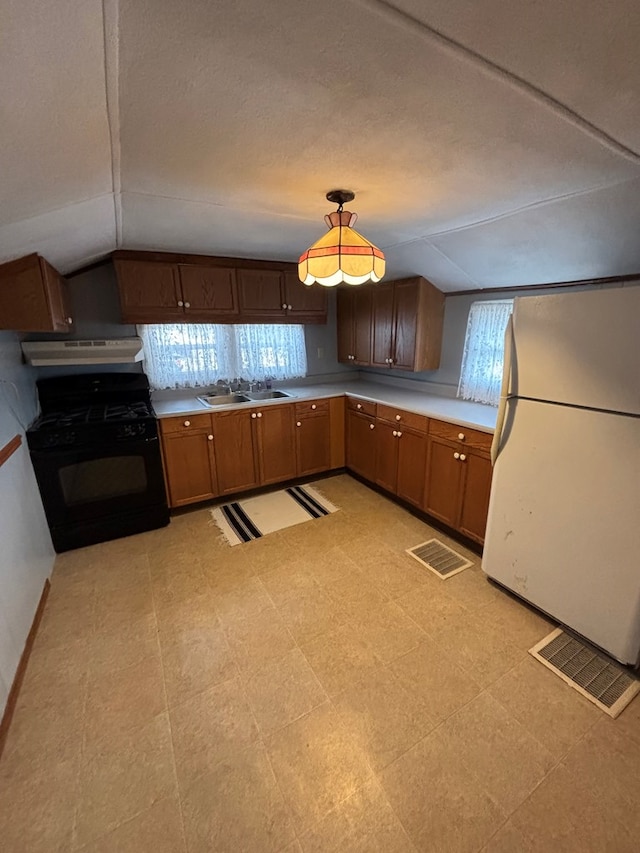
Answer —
564 516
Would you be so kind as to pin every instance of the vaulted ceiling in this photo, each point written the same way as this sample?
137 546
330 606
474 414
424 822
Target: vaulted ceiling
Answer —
489 142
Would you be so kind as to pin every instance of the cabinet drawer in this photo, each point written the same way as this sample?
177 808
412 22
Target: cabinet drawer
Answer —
312 407
365 407
469 437
400 417
185 423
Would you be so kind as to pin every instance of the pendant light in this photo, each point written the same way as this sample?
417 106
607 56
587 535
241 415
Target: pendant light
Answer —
341 255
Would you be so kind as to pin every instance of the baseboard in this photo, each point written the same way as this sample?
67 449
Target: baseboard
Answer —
451 532
12 699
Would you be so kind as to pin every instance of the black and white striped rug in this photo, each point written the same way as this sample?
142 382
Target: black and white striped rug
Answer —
242 521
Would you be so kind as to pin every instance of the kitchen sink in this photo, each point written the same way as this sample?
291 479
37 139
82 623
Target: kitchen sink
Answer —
267 395
223 399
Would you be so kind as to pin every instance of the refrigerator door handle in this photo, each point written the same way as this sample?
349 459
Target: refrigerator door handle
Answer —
504 390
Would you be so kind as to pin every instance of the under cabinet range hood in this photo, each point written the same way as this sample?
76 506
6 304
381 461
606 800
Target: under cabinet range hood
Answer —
56 353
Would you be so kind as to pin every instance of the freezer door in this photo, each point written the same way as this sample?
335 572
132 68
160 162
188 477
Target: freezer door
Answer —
579 348
563 529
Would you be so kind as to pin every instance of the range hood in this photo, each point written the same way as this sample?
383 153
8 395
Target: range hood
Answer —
55 353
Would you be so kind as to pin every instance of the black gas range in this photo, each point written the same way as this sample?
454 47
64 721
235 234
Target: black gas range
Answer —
96 456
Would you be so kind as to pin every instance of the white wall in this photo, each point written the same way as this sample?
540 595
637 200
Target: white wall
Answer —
26 553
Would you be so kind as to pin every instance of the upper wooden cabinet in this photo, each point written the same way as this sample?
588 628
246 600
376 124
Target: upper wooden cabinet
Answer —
157 287
208 290
149 292
261 293
34 297
354 324
270 293
304 300
407 325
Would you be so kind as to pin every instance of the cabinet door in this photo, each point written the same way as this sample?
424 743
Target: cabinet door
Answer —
443 481
412 466
386 456
405 319
476 487
345 324
276 444
304 300
209 290
260 293
189 468
361 445
362 306
31 296
57 293
382 325
149 292
313 444
235 456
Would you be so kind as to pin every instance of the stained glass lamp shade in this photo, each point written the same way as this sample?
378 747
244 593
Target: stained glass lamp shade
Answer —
341 255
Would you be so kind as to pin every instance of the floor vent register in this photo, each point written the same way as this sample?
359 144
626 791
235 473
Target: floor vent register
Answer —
603 681
439 558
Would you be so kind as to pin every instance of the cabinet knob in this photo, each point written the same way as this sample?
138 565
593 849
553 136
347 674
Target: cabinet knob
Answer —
313 406
289 307
461 436
259 414
397 417
187 423
180 303
187 305
372 426
462 457
359 406
69 320
399 434
253 414
299 423
284 306
456 456
395 433
210 437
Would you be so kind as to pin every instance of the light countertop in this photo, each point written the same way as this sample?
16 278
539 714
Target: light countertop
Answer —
473 415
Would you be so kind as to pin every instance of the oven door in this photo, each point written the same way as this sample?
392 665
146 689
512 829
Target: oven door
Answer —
85 484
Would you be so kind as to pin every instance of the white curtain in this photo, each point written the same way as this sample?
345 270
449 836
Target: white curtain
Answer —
482 361
188 355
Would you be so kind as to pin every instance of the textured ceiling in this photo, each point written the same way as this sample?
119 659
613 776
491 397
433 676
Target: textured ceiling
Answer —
490 142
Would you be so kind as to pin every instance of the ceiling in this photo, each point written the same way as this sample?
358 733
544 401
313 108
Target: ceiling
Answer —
490 143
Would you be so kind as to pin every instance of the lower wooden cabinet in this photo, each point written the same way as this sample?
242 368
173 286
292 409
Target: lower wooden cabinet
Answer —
438 467
189 459
275 443
236 458
361 444
475 497
401 454
458 478
313 437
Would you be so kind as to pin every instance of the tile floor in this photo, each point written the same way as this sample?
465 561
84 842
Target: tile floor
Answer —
313 691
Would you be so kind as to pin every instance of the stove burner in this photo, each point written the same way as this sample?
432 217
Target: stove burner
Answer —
94 414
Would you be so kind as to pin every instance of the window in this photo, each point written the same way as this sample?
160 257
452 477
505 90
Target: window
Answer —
481 373
186 355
